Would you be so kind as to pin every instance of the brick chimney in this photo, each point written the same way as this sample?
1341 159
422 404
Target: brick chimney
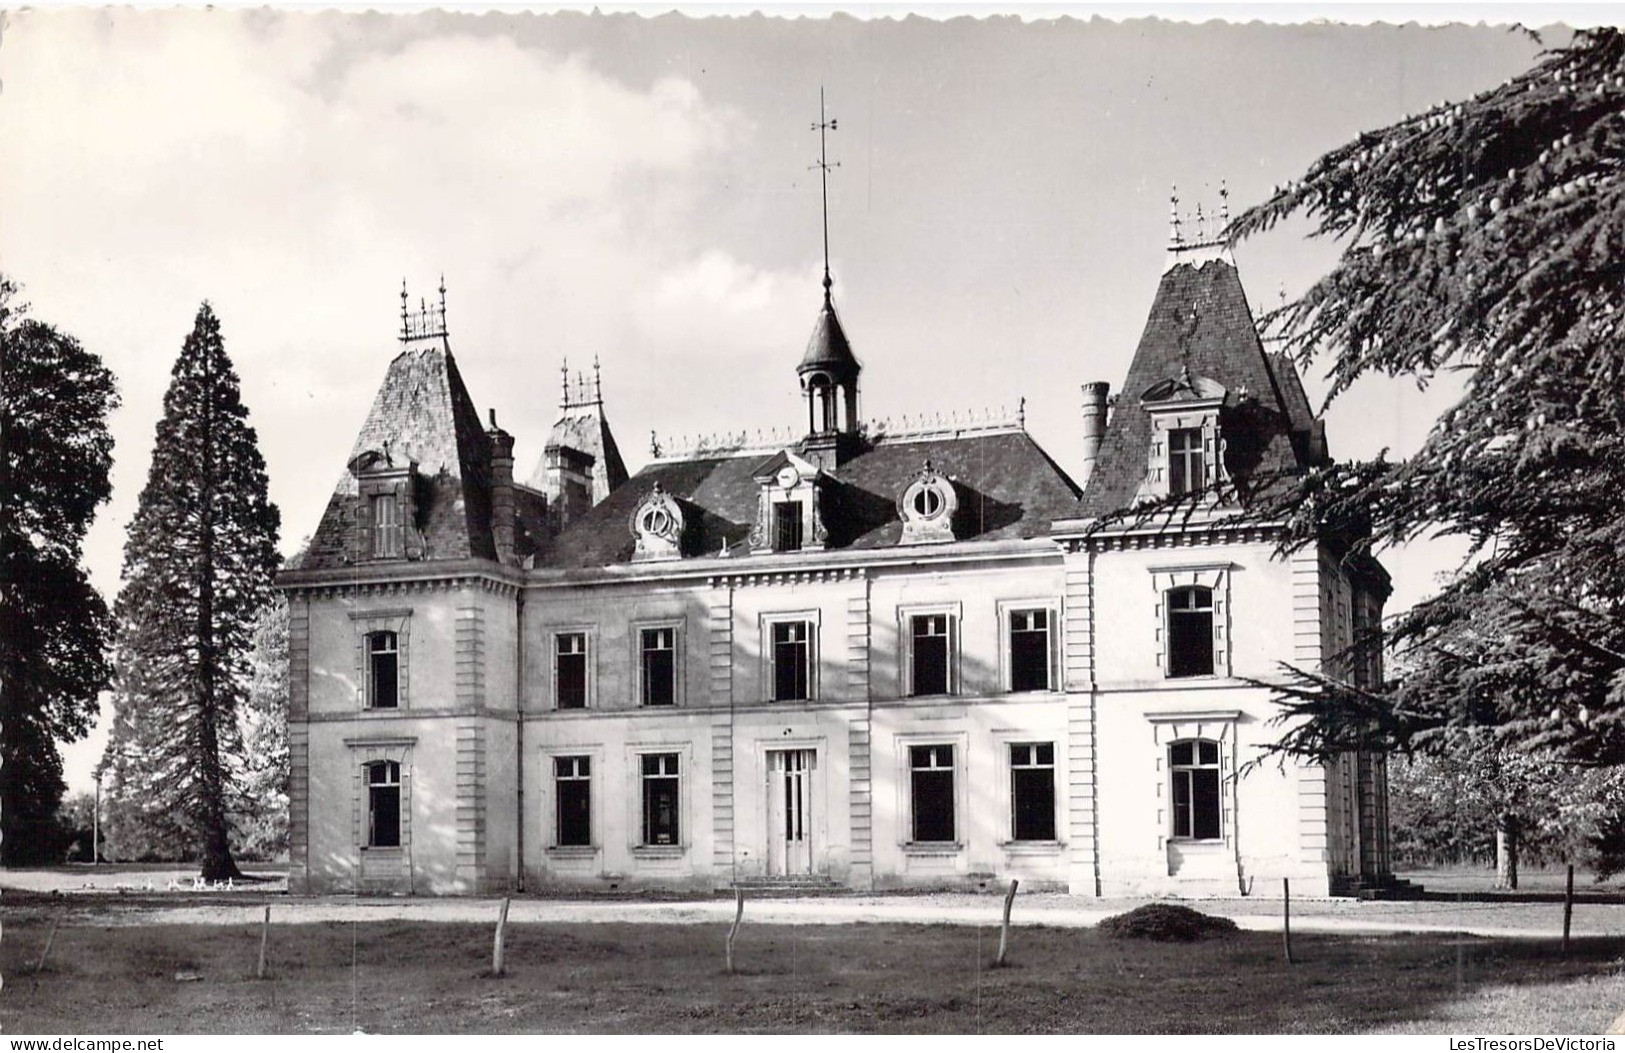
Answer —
569 483
1094 425
502 499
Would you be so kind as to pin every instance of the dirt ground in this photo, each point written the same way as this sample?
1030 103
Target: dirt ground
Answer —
148 953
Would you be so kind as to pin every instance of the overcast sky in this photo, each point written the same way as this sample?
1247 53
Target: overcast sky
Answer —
638 188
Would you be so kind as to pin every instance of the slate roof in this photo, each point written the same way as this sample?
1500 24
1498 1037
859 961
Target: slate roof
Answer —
422 413
1200 323
1008 488
828 348
584 427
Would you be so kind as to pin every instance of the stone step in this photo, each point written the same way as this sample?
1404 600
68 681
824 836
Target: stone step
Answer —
789 885
1389 888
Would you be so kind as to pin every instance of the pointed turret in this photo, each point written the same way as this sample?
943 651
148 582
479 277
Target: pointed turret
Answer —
580 461
829 382
828 371
1200 343
417 483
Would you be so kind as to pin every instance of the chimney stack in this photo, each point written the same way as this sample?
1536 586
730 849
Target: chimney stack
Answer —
569 483
502 497
1094 424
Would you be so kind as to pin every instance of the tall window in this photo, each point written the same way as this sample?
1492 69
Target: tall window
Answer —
786 526
658 665
1187 463
931 783
1195 768
383 670
1029 650
570 670
930 653
384 804
792 661
572 781
1032 791
1190 631
386 526
660 799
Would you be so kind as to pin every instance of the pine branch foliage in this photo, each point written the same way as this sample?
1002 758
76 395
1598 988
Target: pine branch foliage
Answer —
1484 237
197 573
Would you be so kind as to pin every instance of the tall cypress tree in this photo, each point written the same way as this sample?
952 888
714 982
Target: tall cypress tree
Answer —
198 566
55 452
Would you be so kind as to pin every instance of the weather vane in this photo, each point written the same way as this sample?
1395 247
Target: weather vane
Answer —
823 126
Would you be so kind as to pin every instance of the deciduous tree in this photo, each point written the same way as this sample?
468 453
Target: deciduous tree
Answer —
262 810
55 452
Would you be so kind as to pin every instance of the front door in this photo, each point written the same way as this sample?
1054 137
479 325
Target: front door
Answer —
789 811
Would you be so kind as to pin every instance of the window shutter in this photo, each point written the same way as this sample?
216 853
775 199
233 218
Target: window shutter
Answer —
363 525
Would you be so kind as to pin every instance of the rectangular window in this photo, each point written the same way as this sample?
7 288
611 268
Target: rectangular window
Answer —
658 665
384 805
1194 766
792 661
1187 463
386 526
570 670
572 779
931 786
1032 791
787 526
1029 651
930 654
660 799
383 670
1190 631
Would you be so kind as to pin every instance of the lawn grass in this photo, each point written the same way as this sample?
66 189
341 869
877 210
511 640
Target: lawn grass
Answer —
397 976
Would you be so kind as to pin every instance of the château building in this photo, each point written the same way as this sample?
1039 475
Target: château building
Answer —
864 656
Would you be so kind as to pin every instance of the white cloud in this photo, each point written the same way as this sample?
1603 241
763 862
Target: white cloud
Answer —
289 172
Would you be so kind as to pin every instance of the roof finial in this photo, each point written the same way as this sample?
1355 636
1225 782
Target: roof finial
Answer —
1224 208
1174 239
564 382
403 308
1201 224
597 381
822 126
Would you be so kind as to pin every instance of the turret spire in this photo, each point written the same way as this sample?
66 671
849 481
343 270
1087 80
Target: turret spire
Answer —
824 125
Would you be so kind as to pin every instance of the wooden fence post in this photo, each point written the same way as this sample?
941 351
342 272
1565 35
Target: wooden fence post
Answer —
265 936
1568 907
1004 930
50 937
739 915
1286 918
496 941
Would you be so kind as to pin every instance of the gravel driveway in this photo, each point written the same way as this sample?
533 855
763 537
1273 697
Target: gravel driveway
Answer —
1535 920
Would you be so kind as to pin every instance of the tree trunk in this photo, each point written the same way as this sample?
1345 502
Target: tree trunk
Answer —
217 862
1506 853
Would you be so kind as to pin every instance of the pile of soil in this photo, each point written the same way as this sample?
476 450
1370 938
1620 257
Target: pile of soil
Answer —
1166 923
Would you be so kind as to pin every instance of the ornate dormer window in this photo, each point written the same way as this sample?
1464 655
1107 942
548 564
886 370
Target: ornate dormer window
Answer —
657 527
1187 446
788 514
386 511
927 506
